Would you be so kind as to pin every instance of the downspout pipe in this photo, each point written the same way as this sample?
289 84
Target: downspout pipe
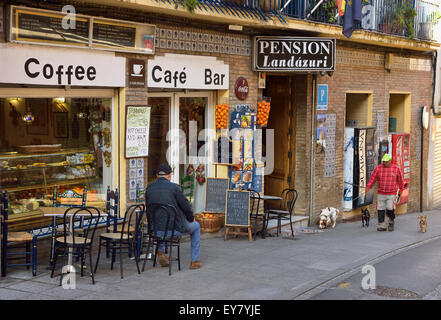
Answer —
436 64
311 160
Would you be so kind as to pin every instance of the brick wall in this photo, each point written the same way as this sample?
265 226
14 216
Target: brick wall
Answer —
362 70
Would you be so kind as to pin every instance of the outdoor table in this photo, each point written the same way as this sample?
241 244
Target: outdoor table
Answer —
265 199
58 212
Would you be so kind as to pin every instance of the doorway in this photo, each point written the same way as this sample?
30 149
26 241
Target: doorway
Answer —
282 120
178 137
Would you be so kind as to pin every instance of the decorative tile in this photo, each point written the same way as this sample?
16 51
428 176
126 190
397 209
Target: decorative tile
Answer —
169 44
217 38
205 37
222 49
182 45
181 35
188 36
248 51
247 42
163 43
211 47
157 43
216 48
227 40
211 38
163 33
200 37
169 33
175 44
222 39
205 47
194 36
232 41
200 47
232 50
188 45
175 34
238 51
226 49
194 46
157 32
242 42
243 51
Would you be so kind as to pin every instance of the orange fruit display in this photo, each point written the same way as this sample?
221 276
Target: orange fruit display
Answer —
221 116
263 109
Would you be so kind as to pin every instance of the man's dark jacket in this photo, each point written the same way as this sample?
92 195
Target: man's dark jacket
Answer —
166 192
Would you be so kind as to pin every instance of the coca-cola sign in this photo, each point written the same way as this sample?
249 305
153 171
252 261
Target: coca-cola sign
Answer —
241 88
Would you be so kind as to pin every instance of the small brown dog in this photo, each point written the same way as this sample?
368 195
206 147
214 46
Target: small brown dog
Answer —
423 223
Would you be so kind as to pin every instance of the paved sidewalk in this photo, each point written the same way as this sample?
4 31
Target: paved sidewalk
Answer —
271 268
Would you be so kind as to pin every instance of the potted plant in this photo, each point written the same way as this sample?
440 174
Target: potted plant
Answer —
406 16
191 5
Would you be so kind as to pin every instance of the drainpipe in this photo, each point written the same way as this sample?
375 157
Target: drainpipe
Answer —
311 160
421 159
435 96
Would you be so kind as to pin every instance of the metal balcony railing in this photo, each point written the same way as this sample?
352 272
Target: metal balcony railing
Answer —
384 16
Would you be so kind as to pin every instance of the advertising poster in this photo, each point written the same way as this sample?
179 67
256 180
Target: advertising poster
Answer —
321 132
349 168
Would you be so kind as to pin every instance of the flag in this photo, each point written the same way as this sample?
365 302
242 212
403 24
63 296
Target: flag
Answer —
352 16
341 7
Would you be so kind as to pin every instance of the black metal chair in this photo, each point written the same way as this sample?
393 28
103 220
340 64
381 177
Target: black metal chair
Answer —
125 239
284 212
83 244
160 232
254 210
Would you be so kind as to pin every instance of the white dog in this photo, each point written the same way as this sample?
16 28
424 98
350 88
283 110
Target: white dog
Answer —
327 216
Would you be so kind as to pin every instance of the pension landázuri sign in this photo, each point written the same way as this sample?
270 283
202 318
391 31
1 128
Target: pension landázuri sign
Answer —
293 54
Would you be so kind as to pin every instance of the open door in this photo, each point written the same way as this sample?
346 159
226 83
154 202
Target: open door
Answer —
282 121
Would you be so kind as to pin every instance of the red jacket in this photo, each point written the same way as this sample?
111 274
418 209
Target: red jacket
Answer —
389 179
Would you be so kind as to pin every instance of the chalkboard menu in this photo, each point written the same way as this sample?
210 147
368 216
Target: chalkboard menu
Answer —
238 208
215 194
137 131
47 27
114 34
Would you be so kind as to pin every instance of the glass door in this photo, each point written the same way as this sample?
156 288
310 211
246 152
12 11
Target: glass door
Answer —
177 137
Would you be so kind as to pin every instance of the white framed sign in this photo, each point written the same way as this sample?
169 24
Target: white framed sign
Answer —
187 72
137 131
38 65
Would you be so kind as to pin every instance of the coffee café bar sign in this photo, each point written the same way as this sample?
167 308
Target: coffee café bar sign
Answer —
293 54
31 64
178 71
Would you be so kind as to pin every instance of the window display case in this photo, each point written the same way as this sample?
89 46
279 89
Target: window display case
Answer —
29 178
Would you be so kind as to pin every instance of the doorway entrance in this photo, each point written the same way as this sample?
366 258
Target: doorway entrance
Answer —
282 121
178 138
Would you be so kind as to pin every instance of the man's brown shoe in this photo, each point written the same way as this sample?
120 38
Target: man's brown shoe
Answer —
390 227
195 265
163 259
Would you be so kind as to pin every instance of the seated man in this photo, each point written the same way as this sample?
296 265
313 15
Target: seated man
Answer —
166 192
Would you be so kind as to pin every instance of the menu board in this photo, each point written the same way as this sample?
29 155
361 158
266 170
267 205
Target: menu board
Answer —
47 27
111 34
215 194
238 208
137 131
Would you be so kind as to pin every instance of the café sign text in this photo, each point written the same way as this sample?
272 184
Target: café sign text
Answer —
187 72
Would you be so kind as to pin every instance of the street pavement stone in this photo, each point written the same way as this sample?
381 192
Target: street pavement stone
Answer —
271 268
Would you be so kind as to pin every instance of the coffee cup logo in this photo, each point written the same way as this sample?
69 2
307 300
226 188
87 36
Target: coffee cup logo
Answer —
137 68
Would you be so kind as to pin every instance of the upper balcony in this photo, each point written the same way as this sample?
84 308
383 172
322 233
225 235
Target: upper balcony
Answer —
414 19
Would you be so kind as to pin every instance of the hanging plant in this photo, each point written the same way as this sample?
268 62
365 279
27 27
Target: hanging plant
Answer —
191 5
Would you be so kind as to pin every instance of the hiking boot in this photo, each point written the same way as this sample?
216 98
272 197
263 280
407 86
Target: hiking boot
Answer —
381 226
381 229
390 227
195 265
163 259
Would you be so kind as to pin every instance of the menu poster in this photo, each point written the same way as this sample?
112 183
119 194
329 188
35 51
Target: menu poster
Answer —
111 34
137 131
242 123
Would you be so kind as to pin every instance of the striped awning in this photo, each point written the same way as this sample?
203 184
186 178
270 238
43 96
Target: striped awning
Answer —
244 11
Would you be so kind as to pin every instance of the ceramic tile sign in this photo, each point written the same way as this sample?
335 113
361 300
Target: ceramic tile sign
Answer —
137 131
331 120
136 178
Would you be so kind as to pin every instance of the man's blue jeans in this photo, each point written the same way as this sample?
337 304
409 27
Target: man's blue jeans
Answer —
195 236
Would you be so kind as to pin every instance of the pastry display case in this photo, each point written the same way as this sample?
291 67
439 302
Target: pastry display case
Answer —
30 178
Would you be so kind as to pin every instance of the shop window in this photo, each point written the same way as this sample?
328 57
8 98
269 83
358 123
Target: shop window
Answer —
54 142
399 113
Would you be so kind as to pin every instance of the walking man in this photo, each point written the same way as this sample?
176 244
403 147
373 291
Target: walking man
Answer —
389 180
166 192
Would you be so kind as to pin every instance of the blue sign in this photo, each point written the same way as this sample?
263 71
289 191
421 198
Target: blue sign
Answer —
322 97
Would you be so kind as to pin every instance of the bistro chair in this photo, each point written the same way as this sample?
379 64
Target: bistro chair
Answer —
161 220
83 244
12 241
123 240
285 211
254 210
